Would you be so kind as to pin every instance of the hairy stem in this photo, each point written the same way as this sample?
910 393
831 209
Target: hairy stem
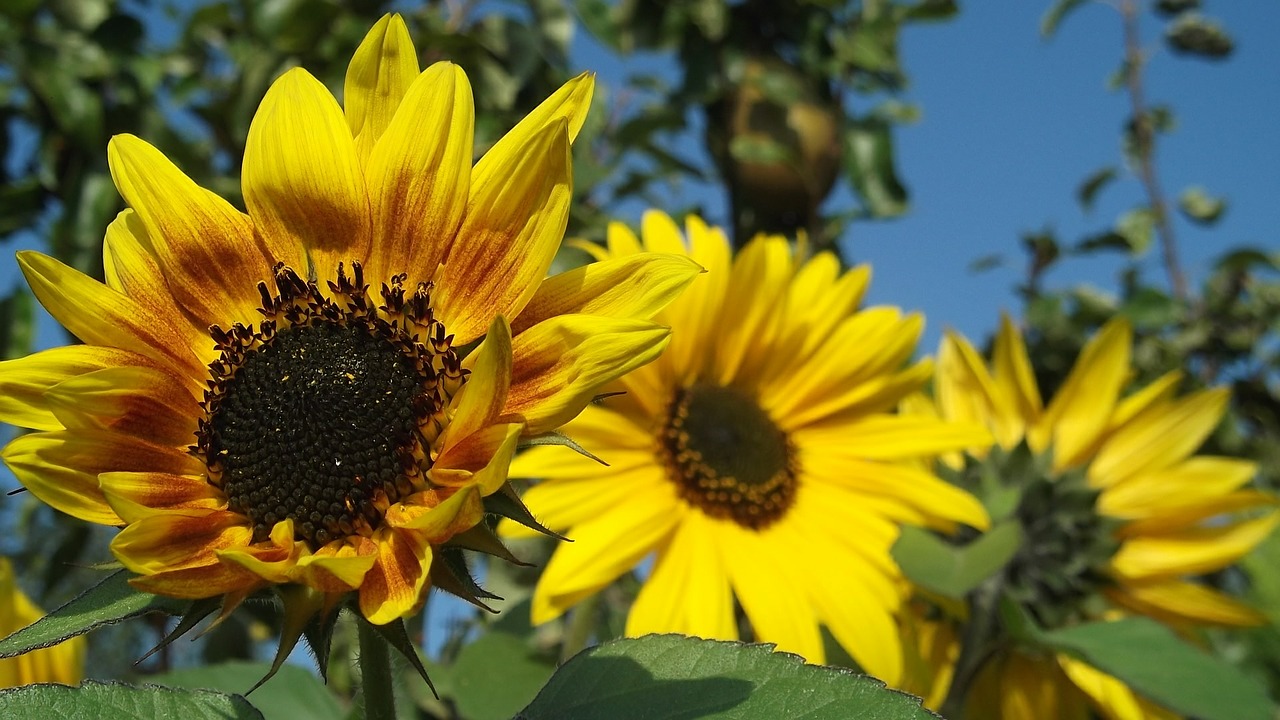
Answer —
375 674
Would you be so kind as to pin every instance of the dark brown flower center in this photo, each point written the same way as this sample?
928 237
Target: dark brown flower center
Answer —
727 457
326 412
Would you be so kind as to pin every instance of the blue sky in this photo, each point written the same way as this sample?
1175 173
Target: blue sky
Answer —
1012 123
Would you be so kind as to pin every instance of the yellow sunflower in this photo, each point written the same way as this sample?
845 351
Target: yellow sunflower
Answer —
757 458
285 396
62 663
1119 513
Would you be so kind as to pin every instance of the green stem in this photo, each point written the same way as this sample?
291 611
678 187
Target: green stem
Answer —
580 627
976 645
375 674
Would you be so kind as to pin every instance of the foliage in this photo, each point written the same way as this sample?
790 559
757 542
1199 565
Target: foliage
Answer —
792 99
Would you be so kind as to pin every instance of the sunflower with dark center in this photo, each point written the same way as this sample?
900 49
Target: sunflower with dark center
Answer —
759 458
280 397
1119 514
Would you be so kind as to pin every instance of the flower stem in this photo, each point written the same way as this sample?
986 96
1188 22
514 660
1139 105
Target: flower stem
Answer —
581 626
375 674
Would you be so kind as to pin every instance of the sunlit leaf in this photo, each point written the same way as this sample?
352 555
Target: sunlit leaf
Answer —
631 678
1200 207
98 701
106 603
294 692
954 570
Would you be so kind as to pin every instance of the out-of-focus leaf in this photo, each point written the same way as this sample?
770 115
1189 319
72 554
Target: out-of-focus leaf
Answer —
930 11
84 15
94 700
1195 35
294 692
1148 657
17 324
1244 258
1092 185
630 678
1170 8
953 570
759 149
1137 227
106 603
868 162
497 675
1150 308
20 203
986 263
1056 14
1200 207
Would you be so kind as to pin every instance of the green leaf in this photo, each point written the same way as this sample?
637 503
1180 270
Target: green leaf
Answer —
1150 308
1094 184
952 570
497 675
868 161
1137 227
1157 664
649 676
294 692
99 700
1195 35
759 149
106 603
1200 207
1056 14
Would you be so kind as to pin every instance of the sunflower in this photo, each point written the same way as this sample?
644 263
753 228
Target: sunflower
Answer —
322 392
1119 513
757 458
62 663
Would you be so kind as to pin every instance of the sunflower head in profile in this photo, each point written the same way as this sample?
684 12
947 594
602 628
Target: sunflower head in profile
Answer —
323 393
1118 512
758 458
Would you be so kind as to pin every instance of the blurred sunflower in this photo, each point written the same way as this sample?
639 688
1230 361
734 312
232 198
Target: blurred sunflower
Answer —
62 663
757 457
284 396
1118 513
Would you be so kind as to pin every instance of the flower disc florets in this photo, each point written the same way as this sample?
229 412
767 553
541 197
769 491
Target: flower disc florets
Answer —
326 412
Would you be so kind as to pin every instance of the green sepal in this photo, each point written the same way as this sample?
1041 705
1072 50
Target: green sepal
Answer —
200 609
507 503
398 637
558 438
301 605
481 538
449 573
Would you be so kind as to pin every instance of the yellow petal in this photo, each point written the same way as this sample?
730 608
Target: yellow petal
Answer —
175 542
890 437
853 598
339 566
561 503
1181 601
484 455
1186 484
603 548
274 561
774 602
62 468
1117 700
909 486
206 248
1154 441
485 393
697 310
377 79
752 306
1149 399
1082 407
458 513
131 268
569 104
1012 370
23 381
634 286
660 233
562 363
516 214
1175 519
1191 552
99 315
688 590
395 585
137 495
302 179
621 240
139 401
967 392
420 172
